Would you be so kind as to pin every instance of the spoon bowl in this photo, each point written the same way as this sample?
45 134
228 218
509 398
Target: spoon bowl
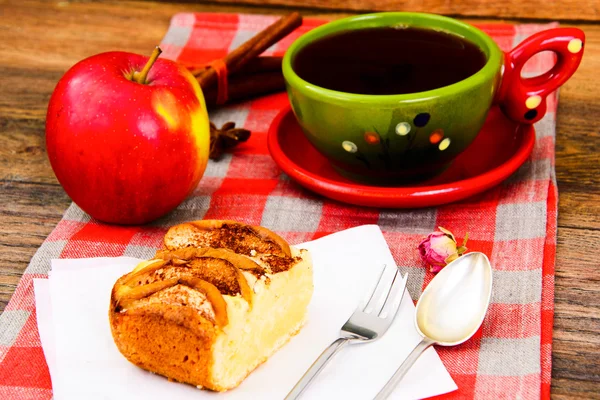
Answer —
450 310
455 302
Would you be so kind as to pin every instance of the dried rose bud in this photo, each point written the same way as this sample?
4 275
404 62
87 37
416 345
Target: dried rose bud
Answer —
440 248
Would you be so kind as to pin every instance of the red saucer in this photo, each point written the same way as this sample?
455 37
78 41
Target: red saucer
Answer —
499 149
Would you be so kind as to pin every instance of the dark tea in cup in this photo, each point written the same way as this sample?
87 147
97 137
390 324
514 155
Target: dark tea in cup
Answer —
388 60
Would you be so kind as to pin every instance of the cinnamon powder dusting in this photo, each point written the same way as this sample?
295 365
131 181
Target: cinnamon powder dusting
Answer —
279 263
240 239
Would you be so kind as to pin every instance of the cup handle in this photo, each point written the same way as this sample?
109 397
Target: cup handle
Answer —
524 99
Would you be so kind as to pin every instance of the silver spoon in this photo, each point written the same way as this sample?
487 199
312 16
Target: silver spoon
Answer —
450 310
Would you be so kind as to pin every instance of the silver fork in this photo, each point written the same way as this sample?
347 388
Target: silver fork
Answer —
367 323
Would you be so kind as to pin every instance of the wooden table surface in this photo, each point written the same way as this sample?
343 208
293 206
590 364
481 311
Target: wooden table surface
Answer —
41 40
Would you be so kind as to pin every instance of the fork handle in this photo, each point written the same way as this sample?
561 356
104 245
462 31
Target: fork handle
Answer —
403 369
315 368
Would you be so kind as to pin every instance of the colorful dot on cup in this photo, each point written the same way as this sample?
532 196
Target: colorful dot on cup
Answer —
444 144
421 119
436 136
371 138
533 101
349 146
403 128
575 46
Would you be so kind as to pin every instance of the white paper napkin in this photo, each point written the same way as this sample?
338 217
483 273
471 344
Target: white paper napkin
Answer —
72 310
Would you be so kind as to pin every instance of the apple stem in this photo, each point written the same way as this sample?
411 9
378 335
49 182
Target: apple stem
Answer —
140 76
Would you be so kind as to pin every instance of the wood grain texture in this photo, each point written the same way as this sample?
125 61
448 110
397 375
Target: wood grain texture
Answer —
41 40
585 10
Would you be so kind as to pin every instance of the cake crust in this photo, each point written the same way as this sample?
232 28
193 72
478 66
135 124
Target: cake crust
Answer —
172 341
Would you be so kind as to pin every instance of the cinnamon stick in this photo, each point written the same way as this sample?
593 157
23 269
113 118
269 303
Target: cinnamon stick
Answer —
247 86
253 47
258 64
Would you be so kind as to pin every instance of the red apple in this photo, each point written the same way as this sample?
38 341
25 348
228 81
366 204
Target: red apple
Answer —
127 136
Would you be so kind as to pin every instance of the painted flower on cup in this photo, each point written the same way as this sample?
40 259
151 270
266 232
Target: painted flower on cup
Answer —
372 138
403 129
349 146
440 248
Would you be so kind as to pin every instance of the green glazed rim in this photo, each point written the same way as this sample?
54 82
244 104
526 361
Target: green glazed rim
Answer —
394 19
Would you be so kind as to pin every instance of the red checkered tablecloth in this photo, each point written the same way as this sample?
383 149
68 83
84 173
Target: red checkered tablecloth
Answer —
514 223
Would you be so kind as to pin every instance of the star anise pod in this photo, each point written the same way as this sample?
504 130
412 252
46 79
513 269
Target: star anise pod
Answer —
226 137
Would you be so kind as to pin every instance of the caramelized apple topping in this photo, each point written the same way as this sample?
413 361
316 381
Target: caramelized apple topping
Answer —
125 296
220 272
240 238
213 295
184 255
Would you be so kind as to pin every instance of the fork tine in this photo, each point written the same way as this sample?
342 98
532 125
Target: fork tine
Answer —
381 291
387 296
376 287
392 303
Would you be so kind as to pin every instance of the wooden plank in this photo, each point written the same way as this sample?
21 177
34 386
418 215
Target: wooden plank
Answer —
576 342
586 10
577 141
577 161
29 212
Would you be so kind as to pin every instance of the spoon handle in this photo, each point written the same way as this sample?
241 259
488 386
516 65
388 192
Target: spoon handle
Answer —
403 369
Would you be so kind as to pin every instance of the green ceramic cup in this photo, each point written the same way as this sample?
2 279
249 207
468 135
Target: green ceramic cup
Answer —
390 139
